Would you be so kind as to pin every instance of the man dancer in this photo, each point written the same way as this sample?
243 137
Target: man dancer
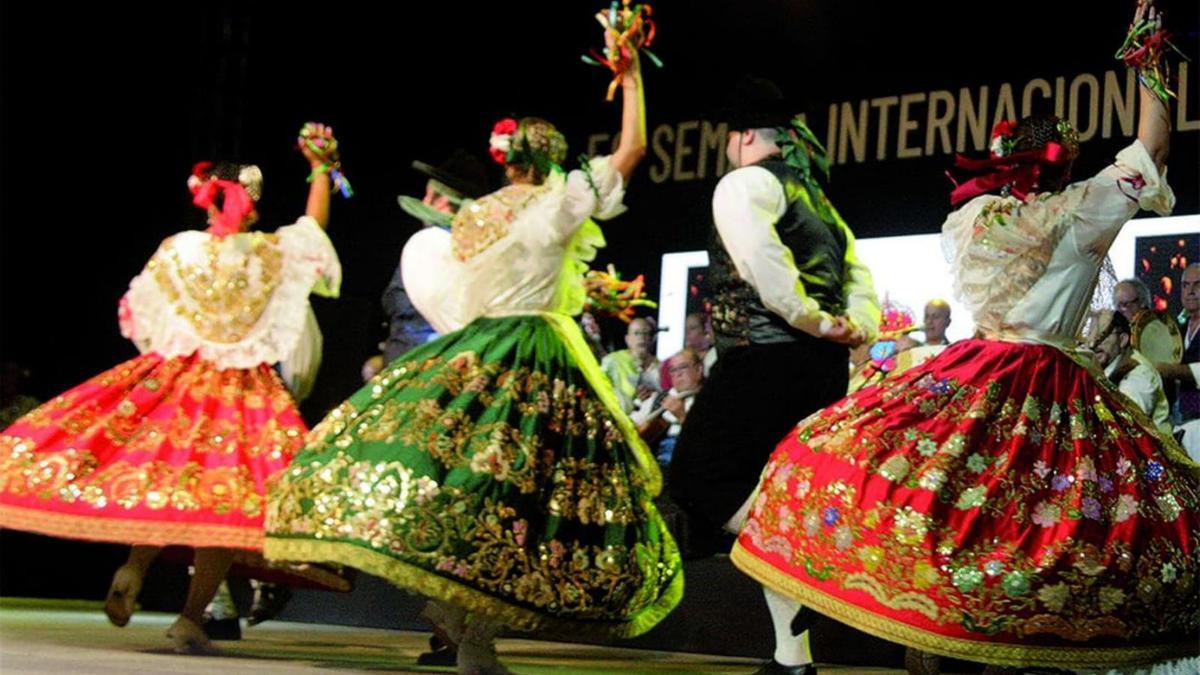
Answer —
459 178
789 297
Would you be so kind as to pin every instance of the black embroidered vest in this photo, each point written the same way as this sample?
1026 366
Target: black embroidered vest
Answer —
819 250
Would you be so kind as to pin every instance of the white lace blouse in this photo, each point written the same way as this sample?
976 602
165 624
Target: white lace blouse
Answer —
520 250
1026 269
238 300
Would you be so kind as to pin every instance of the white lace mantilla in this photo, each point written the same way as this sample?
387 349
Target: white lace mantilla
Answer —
238 301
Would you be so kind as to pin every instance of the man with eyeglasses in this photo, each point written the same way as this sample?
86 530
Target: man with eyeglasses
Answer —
1131 296
634 371
687 375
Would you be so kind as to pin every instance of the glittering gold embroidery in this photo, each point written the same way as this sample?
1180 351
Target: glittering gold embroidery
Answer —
497 448
485 221
1019 245
906 560
71 475
222 295
464 535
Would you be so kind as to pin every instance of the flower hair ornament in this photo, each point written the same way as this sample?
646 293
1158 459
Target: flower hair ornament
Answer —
530 141
320 142
1012 171
895 321
1002 139
238 196
500 141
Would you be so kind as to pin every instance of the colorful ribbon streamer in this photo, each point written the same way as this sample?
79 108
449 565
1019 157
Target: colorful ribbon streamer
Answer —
1143 50
608 295
632 30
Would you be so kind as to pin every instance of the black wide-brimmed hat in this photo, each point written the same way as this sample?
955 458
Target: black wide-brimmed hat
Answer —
755 103
462 172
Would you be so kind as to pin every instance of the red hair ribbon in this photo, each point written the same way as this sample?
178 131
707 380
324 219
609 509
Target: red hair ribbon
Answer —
237 206
1019 170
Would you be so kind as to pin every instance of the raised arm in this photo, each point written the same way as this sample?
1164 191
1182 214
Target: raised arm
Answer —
1154 120
317 206
632 147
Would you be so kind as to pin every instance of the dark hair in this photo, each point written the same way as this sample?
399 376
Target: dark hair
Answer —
223 170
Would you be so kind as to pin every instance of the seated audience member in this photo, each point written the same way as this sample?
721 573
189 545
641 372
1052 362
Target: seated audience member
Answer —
660 417
634 371
1132 373
697 336
1131 297
1185 376
937 320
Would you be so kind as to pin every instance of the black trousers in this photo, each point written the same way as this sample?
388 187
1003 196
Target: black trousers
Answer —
753 397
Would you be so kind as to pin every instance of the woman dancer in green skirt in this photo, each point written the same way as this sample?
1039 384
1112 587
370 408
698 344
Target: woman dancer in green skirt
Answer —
492 469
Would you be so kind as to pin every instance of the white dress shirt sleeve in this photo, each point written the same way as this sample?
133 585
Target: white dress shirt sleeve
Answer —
746 205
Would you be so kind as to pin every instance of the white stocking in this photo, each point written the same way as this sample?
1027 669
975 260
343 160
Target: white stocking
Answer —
790 650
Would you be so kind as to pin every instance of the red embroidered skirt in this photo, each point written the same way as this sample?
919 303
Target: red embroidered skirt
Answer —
998 503
154 451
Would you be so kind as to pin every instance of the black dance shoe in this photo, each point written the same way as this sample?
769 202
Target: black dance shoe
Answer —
269 601
774 667
439 654
221 629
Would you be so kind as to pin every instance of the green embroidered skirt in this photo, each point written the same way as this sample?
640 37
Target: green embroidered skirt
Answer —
489 469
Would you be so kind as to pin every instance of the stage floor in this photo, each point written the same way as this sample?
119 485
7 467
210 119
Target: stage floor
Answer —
75 637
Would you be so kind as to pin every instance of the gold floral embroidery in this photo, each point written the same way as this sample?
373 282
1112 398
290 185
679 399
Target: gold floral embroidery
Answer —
465 535
436 422
906 560
485 221
1018 245
71 476
223 295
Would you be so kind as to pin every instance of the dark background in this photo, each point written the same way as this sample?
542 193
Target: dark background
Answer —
105 107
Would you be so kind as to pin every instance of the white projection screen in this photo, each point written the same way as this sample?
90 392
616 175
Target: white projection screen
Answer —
908 270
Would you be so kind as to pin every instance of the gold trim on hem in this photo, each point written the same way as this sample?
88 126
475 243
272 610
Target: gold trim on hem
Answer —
424 582
1004 654
247 541
121 531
